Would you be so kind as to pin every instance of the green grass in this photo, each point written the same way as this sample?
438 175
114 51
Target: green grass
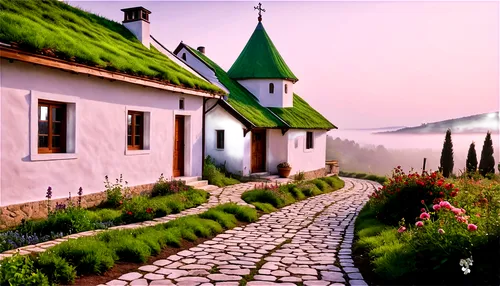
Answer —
264 207
95 255
380 179
75 35
215 176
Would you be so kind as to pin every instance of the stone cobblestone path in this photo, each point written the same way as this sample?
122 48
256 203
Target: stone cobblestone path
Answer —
217 196
307 243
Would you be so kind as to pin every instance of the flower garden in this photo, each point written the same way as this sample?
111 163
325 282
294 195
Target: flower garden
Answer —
427 230
120 207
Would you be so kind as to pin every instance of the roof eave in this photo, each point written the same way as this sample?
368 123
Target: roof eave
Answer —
15 54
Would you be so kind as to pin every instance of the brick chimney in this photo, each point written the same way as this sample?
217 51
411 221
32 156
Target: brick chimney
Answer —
136 19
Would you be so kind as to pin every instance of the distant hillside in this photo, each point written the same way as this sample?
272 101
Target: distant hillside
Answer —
480 123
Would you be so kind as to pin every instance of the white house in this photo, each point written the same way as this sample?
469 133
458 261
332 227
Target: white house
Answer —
262 122
82 98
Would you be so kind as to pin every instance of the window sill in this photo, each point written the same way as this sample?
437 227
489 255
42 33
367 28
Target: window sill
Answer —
219 149
53 156
137 152
309 150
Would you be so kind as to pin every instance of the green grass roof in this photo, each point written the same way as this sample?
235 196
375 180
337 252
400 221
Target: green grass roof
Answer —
260 59
300 116
55 29
241 99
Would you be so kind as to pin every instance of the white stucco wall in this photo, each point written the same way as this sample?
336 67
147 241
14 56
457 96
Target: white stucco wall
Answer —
303 159
278 149
141 30
234 143
101 133
260 88
201 68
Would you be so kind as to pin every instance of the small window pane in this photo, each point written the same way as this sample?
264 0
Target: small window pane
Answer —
43 141
138 120
271 88
56 128
129 140
129 119
286 88
43 113
129 130
220 139
137 140
57 113
138 130
43 127
56 141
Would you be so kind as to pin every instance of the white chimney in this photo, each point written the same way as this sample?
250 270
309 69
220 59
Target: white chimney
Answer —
136 19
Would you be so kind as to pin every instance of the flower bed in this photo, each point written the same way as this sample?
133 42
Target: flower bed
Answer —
423 229
95 255
120 208
268 197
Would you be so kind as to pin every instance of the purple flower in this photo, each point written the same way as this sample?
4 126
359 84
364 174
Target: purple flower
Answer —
49 193
80 191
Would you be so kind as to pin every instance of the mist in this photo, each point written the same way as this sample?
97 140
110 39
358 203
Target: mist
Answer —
363 151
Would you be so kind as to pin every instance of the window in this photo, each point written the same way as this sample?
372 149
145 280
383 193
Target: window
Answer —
181 104
51 127
286 88
271 88
184 56
220 139
309 140
135 130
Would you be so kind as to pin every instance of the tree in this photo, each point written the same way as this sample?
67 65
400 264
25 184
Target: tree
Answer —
471 163
447 155
487 163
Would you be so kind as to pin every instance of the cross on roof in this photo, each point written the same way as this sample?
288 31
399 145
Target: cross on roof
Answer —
259 7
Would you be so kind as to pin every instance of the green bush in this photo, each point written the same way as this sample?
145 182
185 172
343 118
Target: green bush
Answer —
245 214
163 187
20 270
57 269
310 190
334 181
360 175
224 219
130 249
322 185
265 207
103 215
263 196
88 255
136 209
115 193
215 176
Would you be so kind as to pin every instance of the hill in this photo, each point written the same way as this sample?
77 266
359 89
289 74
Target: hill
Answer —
480 123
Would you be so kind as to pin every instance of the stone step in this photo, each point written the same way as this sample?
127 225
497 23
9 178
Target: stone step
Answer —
197 184
208 188
188 179
270 177
260 175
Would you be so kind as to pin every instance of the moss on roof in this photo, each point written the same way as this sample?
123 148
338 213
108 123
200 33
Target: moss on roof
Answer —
241 99
302 115
260 59
53 28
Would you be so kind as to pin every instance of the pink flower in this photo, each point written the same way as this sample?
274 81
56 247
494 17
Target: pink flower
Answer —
478 215
445 204
424 216
456 211
419 224
436 207
422 210
461 219
401 229
471 227
441 231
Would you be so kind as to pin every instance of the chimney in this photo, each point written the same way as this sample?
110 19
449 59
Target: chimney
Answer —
201 49
136 19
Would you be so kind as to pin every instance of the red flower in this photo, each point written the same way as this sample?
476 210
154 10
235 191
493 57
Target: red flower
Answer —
453 194
423 202
149 210
129 213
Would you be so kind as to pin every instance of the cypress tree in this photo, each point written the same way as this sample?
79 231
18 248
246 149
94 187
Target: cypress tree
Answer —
471 163
447 155
487 163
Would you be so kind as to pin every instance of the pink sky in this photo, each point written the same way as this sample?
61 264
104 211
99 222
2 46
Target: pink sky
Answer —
361 64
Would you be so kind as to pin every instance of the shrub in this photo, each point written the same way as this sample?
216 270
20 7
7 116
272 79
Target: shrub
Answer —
57 269
129 249
163 187
296 192
138 208
310 190
300 176
224 219
215 175
103 215
88 255
263 196
115 193
335 182
265 207
20 270
322 185
245 214
360 175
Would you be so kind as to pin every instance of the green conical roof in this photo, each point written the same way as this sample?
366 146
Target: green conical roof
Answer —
260 59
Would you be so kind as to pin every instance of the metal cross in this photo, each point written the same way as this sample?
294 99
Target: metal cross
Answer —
260 11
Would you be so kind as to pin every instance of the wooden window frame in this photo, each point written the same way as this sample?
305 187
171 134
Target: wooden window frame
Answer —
309 140
217 139
134 134
271 88
48 150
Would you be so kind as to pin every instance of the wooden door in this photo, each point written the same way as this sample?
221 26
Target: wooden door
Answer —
179 146
258 151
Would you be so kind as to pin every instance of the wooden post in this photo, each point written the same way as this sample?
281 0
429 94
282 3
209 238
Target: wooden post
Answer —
423 168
